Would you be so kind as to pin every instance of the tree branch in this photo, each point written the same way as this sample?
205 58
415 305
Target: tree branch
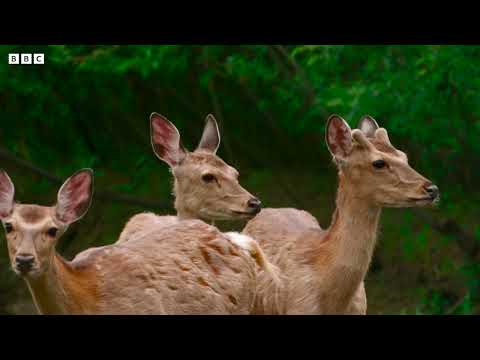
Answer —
466 242
297 69
217 108
103 195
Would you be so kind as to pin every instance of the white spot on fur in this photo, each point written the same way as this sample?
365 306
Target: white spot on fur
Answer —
150 291
243 241
165 220
250 245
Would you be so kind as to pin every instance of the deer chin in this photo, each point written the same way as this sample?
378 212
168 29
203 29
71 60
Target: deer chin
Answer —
244 214
413 202
32 274
425 201
227 215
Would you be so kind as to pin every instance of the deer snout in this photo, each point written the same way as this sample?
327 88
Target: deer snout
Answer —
432 191
24 262
254 205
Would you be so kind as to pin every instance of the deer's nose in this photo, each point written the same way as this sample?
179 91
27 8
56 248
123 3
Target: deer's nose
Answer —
254 205
432 191
24 262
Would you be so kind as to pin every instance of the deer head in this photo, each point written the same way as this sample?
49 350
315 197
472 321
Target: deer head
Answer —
205 186
373 168
32 231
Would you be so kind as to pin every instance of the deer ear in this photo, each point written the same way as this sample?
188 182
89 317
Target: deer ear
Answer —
7 193
338 137
211 135
75 197
166 140
368 126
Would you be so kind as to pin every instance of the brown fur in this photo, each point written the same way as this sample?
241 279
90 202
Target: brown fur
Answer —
324 270
194 199
32 214
186 268
222 199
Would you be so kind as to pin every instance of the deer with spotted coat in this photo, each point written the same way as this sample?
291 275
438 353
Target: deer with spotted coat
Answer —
205 188
189 267
324 270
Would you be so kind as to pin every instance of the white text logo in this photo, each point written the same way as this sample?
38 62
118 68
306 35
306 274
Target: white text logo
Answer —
26 59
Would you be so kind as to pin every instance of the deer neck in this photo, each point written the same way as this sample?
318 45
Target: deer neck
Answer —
61 289
186 213
183 213
353 230
347 249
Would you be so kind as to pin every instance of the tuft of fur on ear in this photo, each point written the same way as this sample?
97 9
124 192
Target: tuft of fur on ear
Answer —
338 137
165 140
75 196
7 193
210 140
368 126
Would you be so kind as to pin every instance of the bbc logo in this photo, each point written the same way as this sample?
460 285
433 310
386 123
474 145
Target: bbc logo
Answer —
16 59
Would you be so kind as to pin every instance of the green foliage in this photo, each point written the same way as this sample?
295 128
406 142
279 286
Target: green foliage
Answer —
88 106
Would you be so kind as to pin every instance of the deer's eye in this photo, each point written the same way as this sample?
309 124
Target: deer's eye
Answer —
8 227
208 178
379 164
52 231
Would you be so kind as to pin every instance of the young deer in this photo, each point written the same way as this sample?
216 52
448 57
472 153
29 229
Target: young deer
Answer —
205 187
324 270
187 268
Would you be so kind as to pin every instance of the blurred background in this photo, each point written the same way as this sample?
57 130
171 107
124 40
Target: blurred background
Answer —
88 106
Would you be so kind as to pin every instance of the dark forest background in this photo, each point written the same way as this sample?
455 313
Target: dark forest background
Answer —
88 106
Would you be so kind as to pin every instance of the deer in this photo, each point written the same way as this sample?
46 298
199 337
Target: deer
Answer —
189 267
324 270
205 187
